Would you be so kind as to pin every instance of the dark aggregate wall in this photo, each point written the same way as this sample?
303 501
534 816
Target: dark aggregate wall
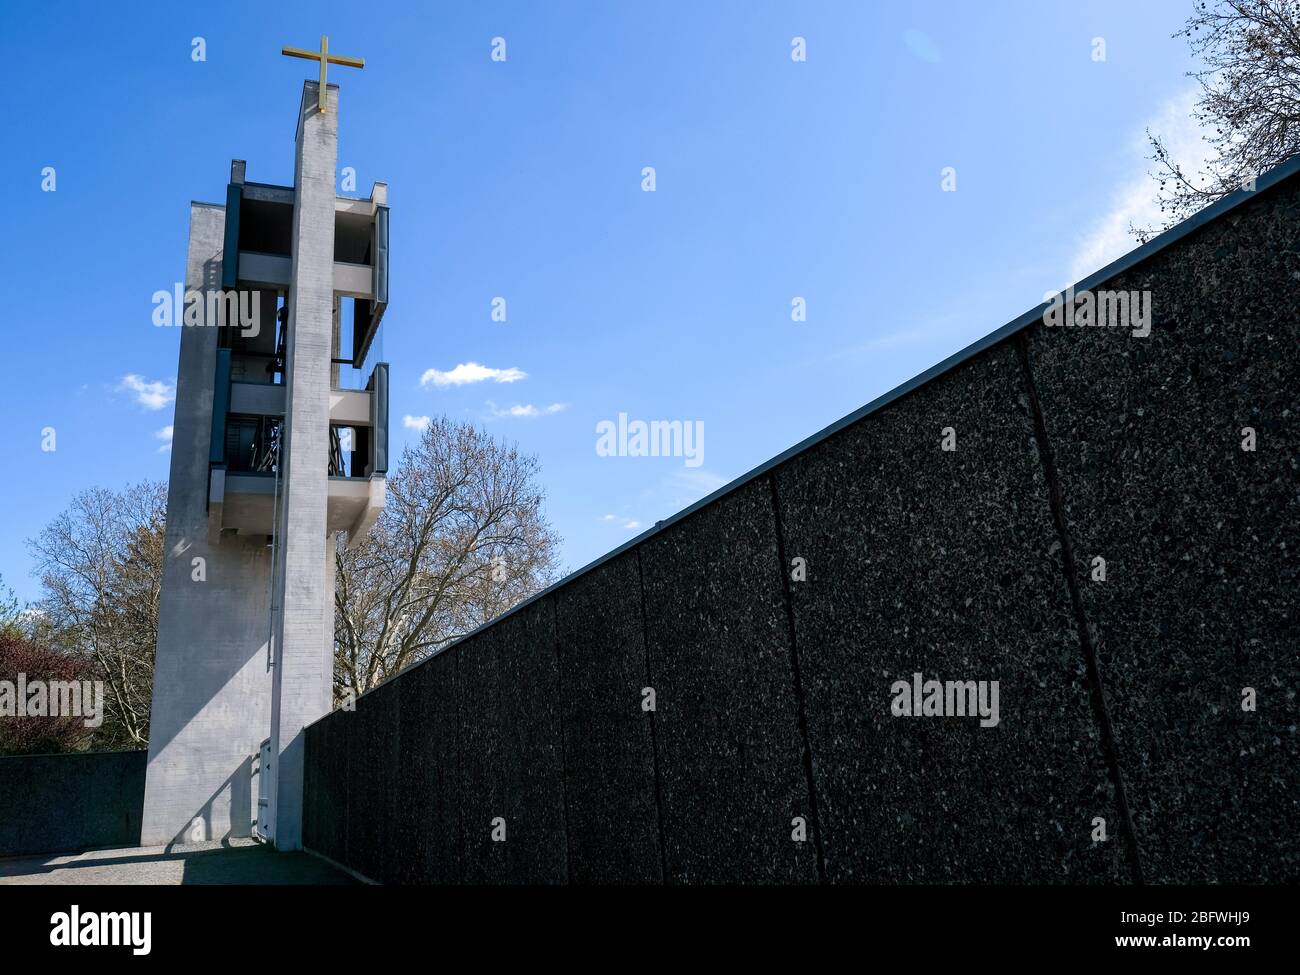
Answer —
609 771
1202 590
67 803
727 725
943 563
426 827
511 752
1120 700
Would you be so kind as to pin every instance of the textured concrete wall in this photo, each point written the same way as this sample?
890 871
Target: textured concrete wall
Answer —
773 754
511 752
1200 540
609 771
726 724
66 803
425 832
212 693
944 563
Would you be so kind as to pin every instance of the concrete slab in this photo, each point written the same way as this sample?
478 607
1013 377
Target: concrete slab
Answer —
238 862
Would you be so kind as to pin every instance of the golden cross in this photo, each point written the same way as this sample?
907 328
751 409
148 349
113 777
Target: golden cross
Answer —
324 57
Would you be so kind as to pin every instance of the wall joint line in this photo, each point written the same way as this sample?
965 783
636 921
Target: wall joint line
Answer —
654 740
1056 499
783 567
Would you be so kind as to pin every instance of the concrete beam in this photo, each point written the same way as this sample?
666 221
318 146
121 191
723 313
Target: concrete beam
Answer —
377 490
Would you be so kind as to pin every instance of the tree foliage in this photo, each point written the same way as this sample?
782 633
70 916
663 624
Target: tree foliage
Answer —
25 734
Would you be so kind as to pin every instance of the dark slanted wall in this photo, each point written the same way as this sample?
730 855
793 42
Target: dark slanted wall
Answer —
1119 699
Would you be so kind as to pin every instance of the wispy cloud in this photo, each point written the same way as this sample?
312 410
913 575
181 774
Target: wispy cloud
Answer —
625 522
668 495
416 422
151 394
922 45
165 435
699 482
470 372
901 338
527 409
1134 201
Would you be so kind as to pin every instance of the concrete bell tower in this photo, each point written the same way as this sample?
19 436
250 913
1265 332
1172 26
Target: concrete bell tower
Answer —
280 450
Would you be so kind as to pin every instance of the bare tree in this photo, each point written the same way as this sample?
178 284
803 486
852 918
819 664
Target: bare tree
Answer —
1249 104
461 539
101 564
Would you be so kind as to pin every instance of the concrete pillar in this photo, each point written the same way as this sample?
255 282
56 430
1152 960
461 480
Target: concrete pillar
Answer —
303 671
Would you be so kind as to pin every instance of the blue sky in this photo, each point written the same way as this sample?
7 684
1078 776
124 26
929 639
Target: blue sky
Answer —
523 179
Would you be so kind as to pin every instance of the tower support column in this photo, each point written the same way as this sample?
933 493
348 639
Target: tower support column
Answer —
302 678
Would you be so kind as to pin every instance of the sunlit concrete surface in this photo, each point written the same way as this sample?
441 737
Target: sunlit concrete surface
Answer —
238 862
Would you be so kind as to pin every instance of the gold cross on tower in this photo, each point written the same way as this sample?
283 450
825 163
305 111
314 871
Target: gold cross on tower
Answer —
325 58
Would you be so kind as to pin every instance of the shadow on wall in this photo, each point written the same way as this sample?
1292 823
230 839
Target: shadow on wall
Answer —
239 785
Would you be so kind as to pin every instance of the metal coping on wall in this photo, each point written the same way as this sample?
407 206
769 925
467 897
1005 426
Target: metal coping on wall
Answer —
1264 183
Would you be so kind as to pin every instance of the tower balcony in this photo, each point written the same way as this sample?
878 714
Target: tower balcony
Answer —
244 481
257 253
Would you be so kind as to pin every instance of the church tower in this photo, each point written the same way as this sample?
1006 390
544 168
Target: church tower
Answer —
280 450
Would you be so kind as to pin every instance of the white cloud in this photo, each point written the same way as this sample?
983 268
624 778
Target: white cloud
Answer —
1134 201
165 435
608 518
527 409
470 372
415 422
632 524
151 394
